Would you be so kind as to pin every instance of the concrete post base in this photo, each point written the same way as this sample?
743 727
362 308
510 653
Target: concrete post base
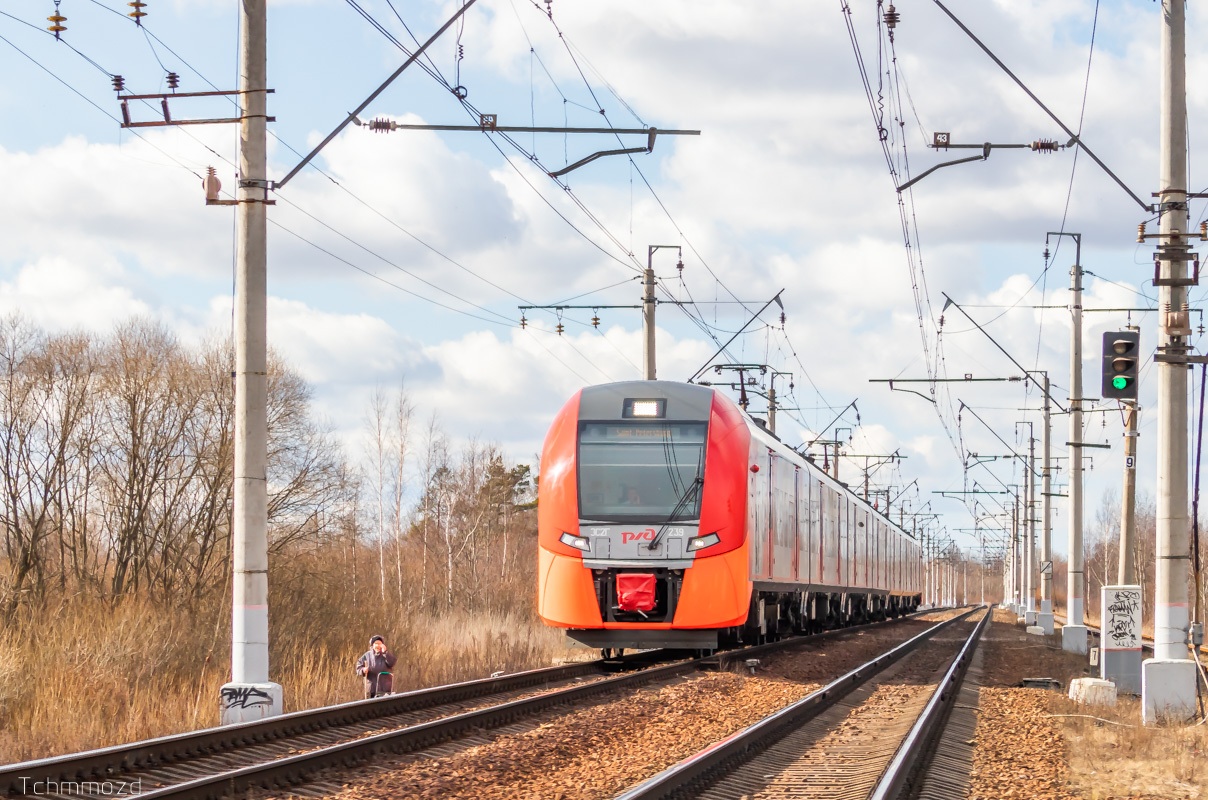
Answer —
1167 690
1045 621
1029 618
248 702
1073 639
1123 668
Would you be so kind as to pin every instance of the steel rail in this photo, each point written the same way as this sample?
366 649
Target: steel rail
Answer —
125 757
294 769
122 759
683 779
914 752
1146 639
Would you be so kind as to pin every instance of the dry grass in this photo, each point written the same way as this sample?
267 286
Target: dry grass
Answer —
88 674
1128 760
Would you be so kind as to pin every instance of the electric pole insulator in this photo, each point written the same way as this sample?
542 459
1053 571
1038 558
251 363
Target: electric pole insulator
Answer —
56 21
892 17
137 14
1141 233
211 184
119 83
381 125
1045 146
173 81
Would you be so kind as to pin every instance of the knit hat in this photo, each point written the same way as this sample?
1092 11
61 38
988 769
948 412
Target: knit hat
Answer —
376 638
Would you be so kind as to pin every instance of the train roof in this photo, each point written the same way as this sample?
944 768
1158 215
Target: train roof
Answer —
688 402
685 402
774 442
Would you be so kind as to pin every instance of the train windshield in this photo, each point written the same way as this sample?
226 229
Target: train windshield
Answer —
640 470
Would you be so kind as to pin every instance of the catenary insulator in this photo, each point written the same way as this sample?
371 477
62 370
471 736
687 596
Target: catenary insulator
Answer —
559 328
173 81
782 319
211 184
119 83
56 21
892 17
1045 146
137 13
381 125
595 320
523 322
679 265
1141 233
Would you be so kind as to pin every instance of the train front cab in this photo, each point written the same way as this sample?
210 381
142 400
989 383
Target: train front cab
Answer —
640 522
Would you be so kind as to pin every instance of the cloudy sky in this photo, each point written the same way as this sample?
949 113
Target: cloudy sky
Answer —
405 256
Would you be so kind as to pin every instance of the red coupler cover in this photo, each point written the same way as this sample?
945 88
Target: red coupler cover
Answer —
635 591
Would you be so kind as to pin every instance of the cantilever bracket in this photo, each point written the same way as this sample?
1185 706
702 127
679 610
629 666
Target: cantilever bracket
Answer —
649 148
912 391
985 154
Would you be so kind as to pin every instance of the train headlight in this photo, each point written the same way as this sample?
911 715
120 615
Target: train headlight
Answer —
635 408
577 542
701 542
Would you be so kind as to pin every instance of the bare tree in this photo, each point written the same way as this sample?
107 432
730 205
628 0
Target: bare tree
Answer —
307 475
377 428
403 412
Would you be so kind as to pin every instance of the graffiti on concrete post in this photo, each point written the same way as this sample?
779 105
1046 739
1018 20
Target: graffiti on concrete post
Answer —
244 697
1122 617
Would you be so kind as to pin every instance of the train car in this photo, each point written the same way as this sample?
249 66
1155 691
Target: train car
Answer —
668 517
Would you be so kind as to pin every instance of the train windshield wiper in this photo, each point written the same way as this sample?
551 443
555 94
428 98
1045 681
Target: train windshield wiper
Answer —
697 482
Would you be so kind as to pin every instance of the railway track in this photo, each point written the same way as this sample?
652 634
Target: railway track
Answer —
871 733
288 750
165 762
1146 639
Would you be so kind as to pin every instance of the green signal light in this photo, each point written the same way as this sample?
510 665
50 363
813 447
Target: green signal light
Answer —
1119 382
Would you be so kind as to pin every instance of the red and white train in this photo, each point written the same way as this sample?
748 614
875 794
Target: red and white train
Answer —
668 517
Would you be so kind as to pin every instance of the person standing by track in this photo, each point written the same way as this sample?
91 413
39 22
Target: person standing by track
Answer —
374 666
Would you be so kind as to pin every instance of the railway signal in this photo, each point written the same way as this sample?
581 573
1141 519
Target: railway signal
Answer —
1121 356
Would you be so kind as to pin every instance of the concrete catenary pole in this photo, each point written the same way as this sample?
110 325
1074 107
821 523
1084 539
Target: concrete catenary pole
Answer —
1073 635
981 567
1030 558
648 306
772 408
1168 682
1045 618
1012 568
1126 573
250 695
1021 526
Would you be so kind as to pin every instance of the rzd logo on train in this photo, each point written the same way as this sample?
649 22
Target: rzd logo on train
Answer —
638 536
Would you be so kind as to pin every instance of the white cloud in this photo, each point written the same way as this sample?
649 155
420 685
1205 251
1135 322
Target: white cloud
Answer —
60 295
786 188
